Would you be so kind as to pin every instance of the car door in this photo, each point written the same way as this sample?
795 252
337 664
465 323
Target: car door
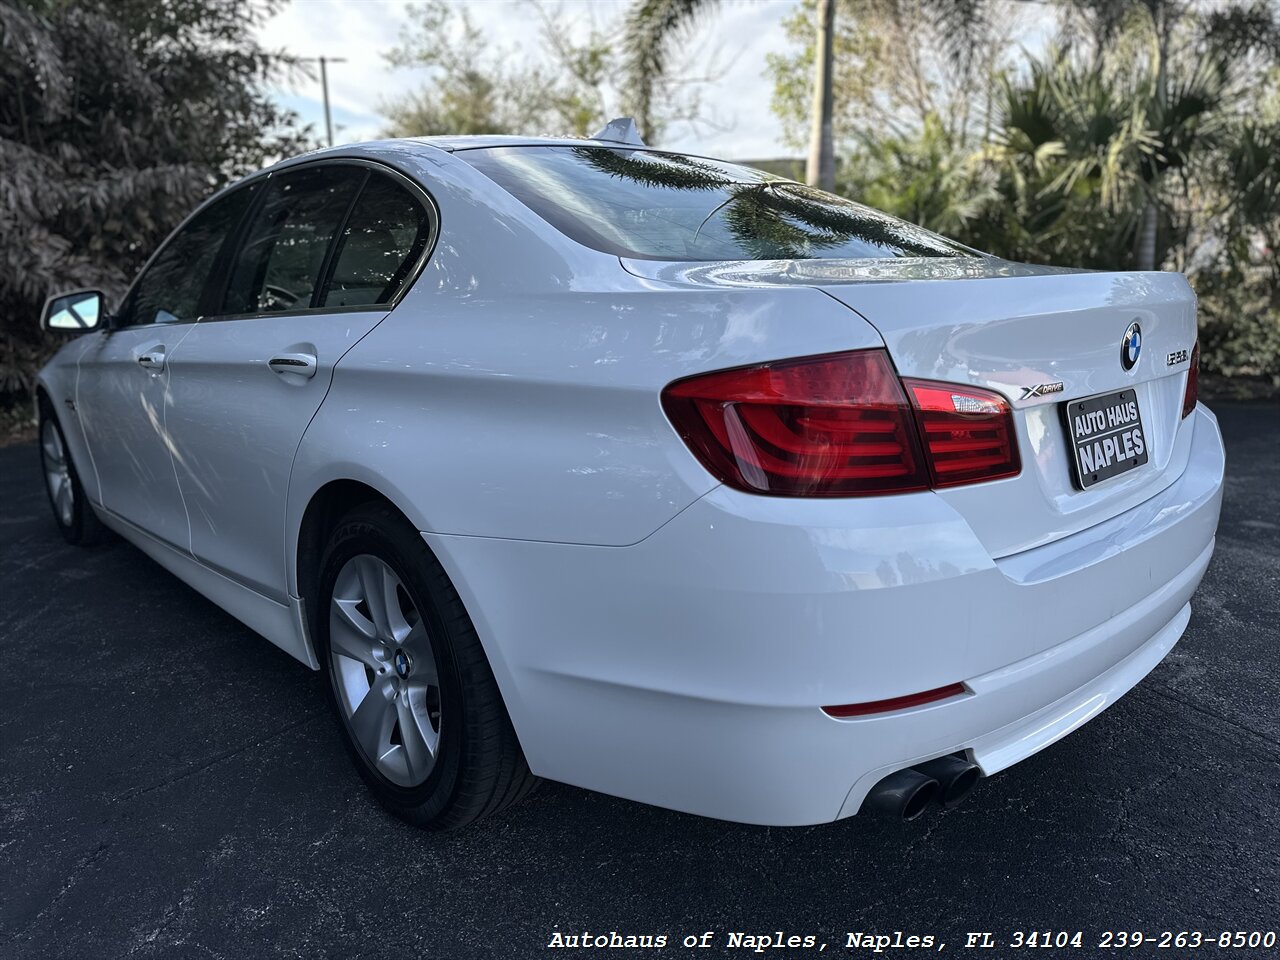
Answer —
322 258
123 396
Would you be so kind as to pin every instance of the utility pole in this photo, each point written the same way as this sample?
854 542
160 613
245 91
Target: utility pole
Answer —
324 85
821 168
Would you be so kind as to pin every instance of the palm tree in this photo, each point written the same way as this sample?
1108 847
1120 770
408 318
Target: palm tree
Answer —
1106 18
652 28
1222 36
654 25
1105 164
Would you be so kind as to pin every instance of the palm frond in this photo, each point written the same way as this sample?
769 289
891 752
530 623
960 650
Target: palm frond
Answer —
1240 29
957 24
676 173
651 28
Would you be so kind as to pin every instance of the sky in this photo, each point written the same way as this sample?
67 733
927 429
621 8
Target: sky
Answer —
738 36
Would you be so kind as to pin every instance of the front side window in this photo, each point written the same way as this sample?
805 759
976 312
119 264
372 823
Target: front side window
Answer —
172 288
663 206
277 267
382 242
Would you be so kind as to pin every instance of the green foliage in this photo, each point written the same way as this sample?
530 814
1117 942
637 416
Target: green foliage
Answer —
474 88
1145 114
1239 285
1239 321
580 81
1071 157
896 64
116 118
653 27
922 179
477 88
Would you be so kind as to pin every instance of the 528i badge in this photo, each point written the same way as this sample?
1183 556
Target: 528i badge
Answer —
1106 436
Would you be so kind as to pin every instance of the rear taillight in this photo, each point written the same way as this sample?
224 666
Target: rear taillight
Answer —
830 426
968 433
840 425
1192 393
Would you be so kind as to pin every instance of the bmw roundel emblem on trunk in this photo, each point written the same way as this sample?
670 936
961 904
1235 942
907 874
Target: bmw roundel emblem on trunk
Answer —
1131 346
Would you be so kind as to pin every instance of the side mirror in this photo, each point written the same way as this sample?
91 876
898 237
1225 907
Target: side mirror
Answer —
77 312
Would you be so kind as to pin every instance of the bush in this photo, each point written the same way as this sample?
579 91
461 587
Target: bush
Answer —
116 118
1239 326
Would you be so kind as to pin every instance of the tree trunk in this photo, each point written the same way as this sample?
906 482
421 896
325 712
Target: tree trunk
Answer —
821 169
1146 252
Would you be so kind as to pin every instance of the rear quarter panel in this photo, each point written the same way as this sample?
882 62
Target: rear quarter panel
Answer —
514 392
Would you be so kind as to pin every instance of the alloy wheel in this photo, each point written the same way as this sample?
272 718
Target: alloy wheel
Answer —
384 671
57 474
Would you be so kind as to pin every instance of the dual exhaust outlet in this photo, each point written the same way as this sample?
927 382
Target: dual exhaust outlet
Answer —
908 793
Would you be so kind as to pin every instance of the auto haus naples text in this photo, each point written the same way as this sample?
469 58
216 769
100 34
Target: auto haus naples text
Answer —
738 940
1108 436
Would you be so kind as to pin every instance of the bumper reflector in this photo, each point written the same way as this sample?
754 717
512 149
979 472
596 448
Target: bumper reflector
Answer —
895 703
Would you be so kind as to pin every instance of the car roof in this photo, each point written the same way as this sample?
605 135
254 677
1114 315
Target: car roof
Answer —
451 144
388 148
477 142
620 132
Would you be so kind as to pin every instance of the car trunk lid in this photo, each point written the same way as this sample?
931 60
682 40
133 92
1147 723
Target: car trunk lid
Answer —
1040 336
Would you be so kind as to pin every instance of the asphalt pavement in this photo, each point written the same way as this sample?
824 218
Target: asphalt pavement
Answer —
173 786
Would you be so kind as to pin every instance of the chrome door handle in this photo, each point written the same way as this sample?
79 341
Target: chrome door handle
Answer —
152 360
301 364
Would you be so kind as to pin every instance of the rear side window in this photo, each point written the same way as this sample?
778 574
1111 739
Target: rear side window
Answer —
172 288
384 238
664 206
278 266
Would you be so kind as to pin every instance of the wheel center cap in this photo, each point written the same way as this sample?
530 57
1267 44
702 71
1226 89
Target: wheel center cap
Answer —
403 664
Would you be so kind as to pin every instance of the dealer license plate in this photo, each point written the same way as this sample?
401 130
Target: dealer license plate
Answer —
1106 436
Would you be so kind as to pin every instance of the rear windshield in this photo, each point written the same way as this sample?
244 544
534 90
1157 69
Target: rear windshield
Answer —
666 206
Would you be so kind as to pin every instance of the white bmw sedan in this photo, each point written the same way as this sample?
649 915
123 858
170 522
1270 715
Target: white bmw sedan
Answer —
645 472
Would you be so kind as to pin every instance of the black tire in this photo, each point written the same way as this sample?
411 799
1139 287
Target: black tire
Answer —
479 768
79 525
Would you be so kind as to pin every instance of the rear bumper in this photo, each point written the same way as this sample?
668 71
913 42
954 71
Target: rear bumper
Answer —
688 670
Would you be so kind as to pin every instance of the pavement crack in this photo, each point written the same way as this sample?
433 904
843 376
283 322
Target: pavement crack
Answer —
1264 746
213 761
82 865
